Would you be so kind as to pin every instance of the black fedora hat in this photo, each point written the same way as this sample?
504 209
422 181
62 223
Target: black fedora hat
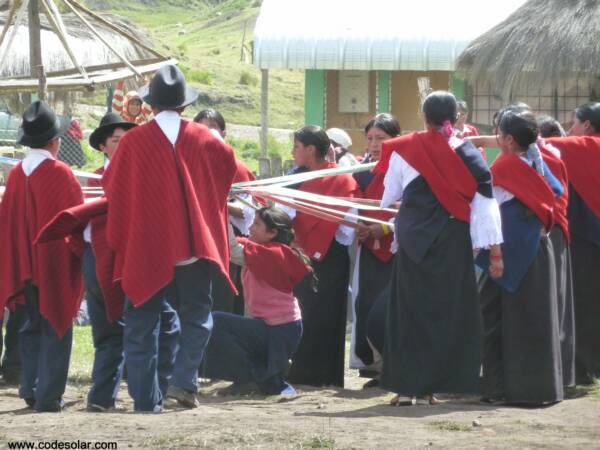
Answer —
40 125
168 89
108 124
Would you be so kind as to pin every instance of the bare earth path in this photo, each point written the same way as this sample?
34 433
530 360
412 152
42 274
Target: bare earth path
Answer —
340 419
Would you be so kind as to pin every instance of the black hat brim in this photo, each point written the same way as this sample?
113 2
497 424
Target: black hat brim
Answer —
60 127
191 95
101 133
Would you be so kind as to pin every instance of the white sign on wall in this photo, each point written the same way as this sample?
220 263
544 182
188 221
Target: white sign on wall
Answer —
353 91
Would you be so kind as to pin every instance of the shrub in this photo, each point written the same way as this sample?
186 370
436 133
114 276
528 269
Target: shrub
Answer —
248 79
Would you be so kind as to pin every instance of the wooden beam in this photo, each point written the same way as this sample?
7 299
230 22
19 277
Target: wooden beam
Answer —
101 38
13 33
35 42
264 113
9 19
119 30
42 88
61 33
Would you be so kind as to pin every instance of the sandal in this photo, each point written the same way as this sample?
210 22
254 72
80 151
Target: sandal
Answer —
428 400
399 400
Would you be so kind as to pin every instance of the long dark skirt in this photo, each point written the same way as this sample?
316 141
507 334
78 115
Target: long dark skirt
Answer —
373 277
433 335
376 320
224 300
319 360
566 309
586 284
522 361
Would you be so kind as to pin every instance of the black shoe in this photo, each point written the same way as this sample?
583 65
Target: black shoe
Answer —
57 406
30 402
185 398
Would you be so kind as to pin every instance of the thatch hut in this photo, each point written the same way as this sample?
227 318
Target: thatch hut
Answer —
547 54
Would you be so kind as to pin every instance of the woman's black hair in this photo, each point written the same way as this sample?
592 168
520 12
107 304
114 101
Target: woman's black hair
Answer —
591 112
211 114
275 219
515 107
550 127
440 106
314 135
521 125
386 123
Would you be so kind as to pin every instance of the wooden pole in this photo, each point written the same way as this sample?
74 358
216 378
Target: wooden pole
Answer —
42 87
119 30
35 46
264 113
61 33
13 33
101 38
9 19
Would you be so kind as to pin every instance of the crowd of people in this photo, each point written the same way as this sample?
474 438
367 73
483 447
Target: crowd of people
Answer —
470 279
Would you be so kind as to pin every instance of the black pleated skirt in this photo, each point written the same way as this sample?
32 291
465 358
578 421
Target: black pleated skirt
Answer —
319 360
522 351
566 309
433 335
373 277
585 257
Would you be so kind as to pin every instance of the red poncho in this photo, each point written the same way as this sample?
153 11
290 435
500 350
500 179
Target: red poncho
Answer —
429 153
314 235
73 221
375 191
559 170
54 267
581 155
167 205
243 172
521 180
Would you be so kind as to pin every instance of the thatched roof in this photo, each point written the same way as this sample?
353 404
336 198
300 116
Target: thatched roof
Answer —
88 50
542 42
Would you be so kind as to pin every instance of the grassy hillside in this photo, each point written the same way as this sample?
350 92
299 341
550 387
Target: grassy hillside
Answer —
206 37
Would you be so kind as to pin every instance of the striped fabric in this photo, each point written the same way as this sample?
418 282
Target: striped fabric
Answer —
54 267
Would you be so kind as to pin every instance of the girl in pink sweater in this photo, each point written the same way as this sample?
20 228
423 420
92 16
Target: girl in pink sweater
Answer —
254 352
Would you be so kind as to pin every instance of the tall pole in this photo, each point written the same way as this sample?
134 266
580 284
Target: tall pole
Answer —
35 47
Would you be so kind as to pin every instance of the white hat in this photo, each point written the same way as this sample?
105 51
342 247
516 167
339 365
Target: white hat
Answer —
340 137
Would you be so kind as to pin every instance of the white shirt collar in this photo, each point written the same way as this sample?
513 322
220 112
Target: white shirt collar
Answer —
106 163
169 122
34 157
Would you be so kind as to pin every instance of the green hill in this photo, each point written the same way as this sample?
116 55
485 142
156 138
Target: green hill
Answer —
207 37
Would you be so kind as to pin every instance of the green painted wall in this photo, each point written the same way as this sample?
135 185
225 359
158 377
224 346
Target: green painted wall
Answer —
457 86
314 97
383 82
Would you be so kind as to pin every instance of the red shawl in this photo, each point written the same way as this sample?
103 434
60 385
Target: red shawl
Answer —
74 220
375 191
243 173
54 267
559 170
278 265
167 205
94 182
314 235
429 153
520 179
581 155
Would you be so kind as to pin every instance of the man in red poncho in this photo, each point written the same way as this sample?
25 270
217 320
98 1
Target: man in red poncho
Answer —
47 277
167 190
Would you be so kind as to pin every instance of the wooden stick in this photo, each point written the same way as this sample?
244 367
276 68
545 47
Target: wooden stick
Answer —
9 19
101 39
119 30
42 88
62 35
13 33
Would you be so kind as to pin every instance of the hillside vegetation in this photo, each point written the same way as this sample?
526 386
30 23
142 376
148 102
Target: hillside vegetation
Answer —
207 37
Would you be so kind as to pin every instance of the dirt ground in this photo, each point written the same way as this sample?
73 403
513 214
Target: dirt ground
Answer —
351 418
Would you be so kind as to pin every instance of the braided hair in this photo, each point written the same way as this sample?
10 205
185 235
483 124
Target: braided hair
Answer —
276 219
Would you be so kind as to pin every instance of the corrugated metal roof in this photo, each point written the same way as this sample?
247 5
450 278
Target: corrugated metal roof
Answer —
371 34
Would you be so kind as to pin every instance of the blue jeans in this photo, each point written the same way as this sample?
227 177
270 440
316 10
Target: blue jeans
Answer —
150 342
107 337
244 349
44 357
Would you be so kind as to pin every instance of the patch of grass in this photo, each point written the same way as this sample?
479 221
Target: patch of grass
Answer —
248 79
317 442
94 158
196 75
82 355
248 150
449 425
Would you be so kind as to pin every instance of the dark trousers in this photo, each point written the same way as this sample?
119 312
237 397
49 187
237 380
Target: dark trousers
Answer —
377 318
11 362
107 338
44 357
244 349
182 341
